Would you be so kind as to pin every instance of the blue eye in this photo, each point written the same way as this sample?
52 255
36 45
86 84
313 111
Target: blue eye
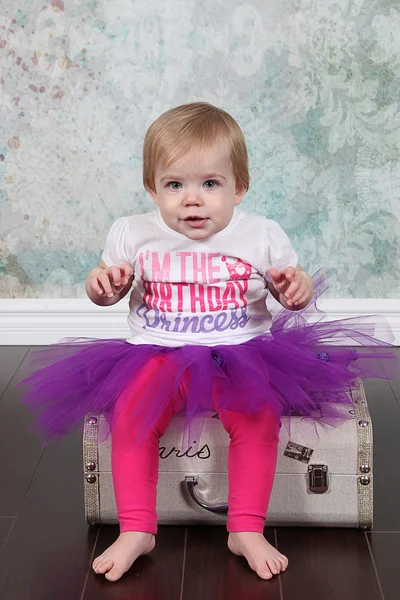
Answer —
174 185
213 184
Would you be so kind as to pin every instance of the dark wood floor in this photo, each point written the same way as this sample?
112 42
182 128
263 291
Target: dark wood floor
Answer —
46 547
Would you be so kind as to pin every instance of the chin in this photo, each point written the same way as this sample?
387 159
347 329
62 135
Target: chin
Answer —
198 235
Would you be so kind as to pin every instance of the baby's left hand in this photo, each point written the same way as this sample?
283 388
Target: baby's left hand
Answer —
294 284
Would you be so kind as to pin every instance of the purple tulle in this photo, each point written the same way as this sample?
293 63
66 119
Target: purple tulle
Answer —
297 368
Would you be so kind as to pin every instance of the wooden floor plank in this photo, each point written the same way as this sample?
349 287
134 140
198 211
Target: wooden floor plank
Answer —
212 571
156 576
328 564
385 549
20 448
10 359
5 526
385 415
47 555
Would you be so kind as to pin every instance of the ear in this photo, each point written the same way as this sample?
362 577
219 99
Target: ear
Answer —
153 194
240 192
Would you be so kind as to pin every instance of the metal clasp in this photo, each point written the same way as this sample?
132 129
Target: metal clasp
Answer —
318 478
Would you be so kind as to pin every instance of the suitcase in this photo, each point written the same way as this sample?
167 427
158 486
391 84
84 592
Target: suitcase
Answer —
322 481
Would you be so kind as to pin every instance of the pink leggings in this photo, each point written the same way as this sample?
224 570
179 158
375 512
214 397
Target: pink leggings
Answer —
251 464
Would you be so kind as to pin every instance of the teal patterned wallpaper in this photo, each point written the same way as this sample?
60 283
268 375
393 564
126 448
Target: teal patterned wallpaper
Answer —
314 85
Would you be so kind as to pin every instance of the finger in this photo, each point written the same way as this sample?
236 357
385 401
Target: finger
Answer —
304 299
282 287
126 272
106 285
292 289
289 273
298 297
276 276
115 274
95 286
279 281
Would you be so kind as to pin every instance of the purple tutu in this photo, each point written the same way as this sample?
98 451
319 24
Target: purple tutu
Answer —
300 367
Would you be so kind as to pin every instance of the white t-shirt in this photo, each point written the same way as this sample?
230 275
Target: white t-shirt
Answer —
206 292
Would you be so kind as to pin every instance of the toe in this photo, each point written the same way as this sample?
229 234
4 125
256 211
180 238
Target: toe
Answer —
274 566
114 574
284 562
281 565
263 571
104 566
98 561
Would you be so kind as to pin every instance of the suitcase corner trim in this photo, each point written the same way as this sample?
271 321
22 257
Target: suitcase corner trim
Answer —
91 468
364 455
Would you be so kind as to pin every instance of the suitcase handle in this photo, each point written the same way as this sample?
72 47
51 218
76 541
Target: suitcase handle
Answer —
191 482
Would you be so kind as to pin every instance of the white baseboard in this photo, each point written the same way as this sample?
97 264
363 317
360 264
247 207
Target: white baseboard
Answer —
39 321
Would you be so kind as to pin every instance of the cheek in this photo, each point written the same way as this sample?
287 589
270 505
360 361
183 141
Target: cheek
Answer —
171 205
224 212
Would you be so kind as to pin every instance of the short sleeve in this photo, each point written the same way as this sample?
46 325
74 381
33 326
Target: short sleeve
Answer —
279 252
115 249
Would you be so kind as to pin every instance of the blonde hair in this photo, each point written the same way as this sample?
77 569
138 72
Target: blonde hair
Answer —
197 124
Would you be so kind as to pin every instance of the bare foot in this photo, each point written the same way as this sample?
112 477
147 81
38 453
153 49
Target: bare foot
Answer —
263 558
121 555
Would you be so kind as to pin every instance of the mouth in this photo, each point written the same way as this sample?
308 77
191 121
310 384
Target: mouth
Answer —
195 221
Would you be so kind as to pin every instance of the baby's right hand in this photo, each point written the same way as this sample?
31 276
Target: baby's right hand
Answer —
110 282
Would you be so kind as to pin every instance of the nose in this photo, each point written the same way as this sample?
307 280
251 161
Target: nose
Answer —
193 198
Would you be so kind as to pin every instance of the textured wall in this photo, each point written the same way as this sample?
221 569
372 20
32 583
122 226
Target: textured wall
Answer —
314 85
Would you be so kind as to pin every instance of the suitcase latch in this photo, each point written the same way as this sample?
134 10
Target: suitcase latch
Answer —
318 478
